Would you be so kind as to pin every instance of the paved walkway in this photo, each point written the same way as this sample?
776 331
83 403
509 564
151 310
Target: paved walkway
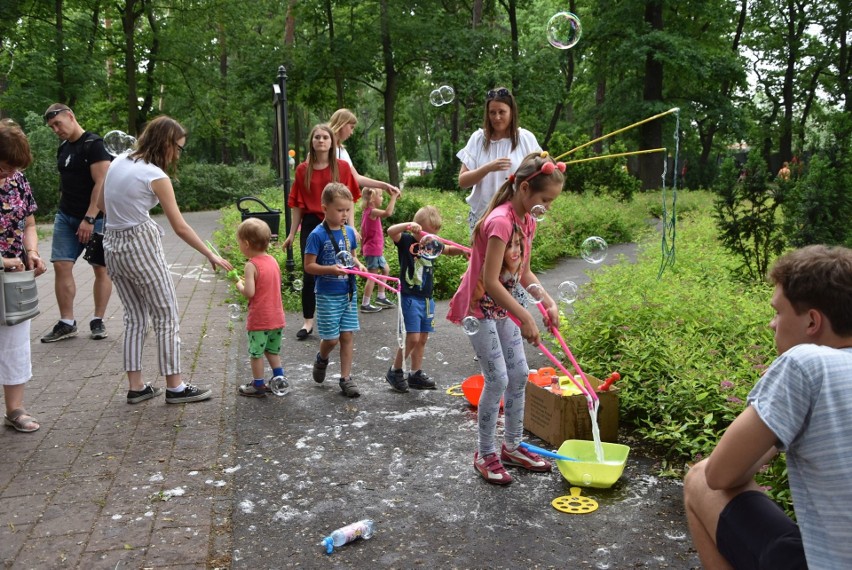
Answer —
104 484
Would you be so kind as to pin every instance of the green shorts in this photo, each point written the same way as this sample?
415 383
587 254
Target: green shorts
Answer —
261 342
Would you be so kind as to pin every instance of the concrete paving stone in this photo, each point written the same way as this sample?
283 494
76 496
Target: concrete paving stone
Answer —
116 559
127 532
179 545
55 520
51 458
81 491
184 512
22 509
13 536
80 419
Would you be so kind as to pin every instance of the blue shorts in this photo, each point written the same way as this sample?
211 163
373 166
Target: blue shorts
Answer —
418 314
66 246
336 314
375 261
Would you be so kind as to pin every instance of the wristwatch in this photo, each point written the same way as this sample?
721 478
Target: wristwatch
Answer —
89 220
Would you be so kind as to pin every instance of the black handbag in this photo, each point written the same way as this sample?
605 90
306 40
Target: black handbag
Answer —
94 252
270 216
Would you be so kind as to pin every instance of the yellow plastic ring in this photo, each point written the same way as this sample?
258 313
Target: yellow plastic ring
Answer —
455 390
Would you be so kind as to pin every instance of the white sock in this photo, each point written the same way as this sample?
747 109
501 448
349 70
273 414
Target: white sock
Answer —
180 388
69 322
366 300
381 295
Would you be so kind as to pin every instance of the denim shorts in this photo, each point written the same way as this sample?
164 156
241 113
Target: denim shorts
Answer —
375 261
418 314
336 314
66 246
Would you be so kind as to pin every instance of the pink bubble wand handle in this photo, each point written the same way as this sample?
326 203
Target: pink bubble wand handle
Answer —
372 278
556 362
446 241
588 391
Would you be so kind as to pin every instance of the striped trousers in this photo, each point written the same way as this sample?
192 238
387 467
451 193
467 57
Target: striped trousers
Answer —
137 266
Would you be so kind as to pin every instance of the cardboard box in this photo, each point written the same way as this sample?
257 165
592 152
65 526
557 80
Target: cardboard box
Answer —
555 418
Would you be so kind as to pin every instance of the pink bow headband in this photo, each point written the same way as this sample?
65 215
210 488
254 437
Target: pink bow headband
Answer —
548 168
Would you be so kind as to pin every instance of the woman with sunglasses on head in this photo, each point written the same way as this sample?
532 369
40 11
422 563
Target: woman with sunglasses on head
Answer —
135 183
493 152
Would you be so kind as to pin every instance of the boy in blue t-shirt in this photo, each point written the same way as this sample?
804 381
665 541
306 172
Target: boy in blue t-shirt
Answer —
337 306
418 308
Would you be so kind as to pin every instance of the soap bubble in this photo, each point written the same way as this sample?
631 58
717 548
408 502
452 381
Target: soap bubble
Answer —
297 284
118 142
567 292
538 212
430 248
383 353
279 386
447 94
470 325
536 292
235 311
594 249
439 356
564 30
443 95
345 259
587 479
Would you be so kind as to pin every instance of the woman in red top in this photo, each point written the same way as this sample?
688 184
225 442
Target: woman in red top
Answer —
312 176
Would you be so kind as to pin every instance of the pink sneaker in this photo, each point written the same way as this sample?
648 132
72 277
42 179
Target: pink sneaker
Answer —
490 468
521 457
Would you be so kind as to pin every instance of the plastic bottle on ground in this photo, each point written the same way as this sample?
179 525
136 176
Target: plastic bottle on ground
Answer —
348 533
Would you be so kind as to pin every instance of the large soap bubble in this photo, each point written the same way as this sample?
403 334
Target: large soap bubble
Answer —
443 95
567 292
430 248
538 212
344 259
535 292
594 249
470 325
118 142
564 30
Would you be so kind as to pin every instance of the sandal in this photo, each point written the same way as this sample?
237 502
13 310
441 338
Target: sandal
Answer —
21 421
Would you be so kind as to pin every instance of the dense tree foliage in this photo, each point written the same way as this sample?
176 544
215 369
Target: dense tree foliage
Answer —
773 74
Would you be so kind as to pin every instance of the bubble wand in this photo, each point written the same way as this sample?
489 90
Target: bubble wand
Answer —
536 293
446 241
374 277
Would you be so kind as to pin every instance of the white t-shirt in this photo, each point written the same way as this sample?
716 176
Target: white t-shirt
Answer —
474 155
805 398
343 154
127 192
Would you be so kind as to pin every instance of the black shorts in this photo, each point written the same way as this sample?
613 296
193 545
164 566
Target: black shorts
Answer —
754 532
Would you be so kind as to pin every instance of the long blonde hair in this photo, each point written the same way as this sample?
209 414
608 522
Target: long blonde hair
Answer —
340 119
530 172
313 158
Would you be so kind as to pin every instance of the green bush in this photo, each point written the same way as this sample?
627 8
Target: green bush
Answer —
42 174
818 206
607 177
201 186
689 346
746 213
446 174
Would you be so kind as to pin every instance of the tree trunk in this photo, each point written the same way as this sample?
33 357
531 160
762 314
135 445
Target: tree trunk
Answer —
338 76
128 26
225 147
59 43
390 93
597 129
651 133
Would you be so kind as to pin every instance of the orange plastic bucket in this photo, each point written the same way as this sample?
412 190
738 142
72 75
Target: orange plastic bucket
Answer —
472 389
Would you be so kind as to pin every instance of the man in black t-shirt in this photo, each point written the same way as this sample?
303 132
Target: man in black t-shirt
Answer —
82 161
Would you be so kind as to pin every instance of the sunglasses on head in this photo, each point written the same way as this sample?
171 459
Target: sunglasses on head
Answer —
494 93
51 114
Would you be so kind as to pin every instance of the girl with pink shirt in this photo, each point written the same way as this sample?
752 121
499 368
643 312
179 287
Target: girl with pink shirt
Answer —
373 244
499 266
